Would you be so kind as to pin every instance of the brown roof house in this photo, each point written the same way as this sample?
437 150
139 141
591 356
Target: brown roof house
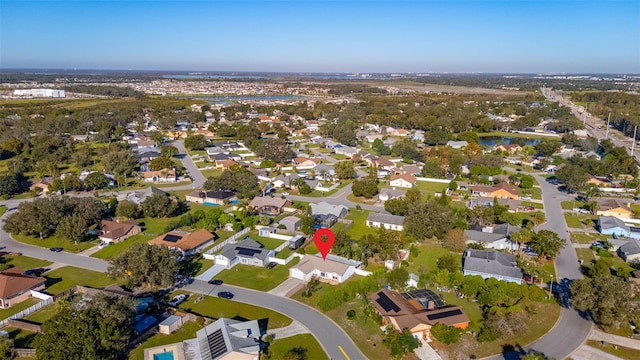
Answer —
114 231
614 207
502 190
416 311
16 287
186 242
265 205
160 176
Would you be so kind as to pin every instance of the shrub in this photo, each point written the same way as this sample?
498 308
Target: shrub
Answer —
351 314
446 334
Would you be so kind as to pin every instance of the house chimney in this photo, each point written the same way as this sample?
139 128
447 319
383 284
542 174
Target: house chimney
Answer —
431 305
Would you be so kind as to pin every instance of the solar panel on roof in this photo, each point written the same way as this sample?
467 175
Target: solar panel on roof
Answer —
247 251
217 346
386 303
444 314
172 238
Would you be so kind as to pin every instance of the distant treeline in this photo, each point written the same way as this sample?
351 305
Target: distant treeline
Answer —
346 89
106 90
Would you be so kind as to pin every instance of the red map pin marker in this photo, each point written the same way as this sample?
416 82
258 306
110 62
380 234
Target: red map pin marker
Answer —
324 238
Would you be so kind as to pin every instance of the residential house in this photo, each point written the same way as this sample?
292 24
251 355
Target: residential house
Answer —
400 132
614 226
502 190
599 181
630 251
334 269
16 287
380 163
372 137
312 126
388 194
266 205
414 170
326 215
418 136
186 242
324 171
225 164
491 264
291 223
389 141
42 184
512 205
417 311
508 148
220 197
457 144
115 231
205 132
614 207
137 197
160 176
402 180
387 221
347 151
304 162
215 150
246 252
492 237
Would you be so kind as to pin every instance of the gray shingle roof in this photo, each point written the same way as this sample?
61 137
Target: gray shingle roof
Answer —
631 247
491 262
385 218
481 236
324 208
610 222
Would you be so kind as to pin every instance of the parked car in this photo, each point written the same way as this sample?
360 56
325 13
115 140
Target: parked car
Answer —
103 245
531 279
34 272
56 249
225 294
271 265
526 198
178 299
215 282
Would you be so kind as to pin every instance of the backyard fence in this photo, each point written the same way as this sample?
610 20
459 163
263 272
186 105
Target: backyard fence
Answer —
209 254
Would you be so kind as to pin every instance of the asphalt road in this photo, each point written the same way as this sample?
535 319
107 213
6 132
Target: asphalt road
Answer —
571 330
328 333
84 262
190 166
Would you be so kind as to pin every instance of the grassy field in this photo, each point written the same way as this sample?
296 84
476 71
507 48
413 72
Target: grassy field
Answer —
3 209
427 258
215 307
257 278
568 205
359 227
211 172
584 238
54 241
268 243
66 277
314 351
43 314
534 204
428 187
21 338
534 193
187 331
579 221
25 262
5 313
619 351
586 255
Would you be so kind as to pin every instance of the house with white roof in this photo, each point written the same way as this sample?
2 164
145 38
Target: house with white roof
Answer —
334 269
402 180
387 221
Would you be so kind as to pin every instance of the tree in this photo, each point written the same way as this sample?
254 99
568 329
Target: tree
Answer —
425 220
592 191
169 151
13 184
367 187
607 298
302 186
159 205
548 147
455 240
196 142
311 286
72 227
226 131
237 179
97 328
121 163
397 278
537 218
446 334
574 177
345 170
161 163
400 343
296 353
275 149
147 266
128 209
433 168
96 180
547 243
521 237
450 262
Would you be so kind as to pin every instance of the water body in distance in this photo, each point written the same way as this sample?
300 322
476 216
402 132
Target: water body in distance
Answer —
492 140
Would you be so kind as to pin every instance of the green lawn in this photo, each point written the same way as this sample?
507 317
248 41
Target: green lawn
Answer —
314 351
5 313
569 205
584 238
21 338
268 243
579 220
427 258
586 255
3 209
534 193
311 249
25 262
211 172
205 264
114 250
66 277
215 307
470 308
257 278
54 241
187 331
359 226
534 204
43 314
430 187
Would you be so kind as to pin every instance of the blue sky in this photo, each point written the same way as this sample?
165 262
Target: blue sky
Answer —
323 36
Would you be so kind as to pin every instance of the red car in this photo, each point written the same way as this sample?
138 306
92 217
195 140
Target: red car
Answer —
531 279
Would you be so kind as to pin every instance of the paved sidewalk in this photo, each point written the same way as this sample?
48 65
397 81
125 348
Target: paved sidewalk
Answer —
426 352
90 251
586 352
615 339
295 328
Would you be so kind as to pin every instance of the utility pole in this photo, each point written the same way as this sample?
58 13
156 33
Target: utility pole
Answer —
607 133
633 144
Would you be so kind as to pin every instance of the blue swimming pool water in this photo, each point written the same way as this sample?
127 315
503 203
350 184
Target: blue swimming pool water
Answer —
164 356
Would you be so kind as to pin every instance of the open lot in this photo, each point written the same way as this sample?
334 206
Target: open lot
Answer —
25 262
257 278
359 226
314 351
54 241
66 277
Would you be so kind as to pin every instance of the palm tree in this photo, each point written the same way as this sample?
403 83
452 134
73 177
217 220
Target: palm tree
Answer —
592 191
537 218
